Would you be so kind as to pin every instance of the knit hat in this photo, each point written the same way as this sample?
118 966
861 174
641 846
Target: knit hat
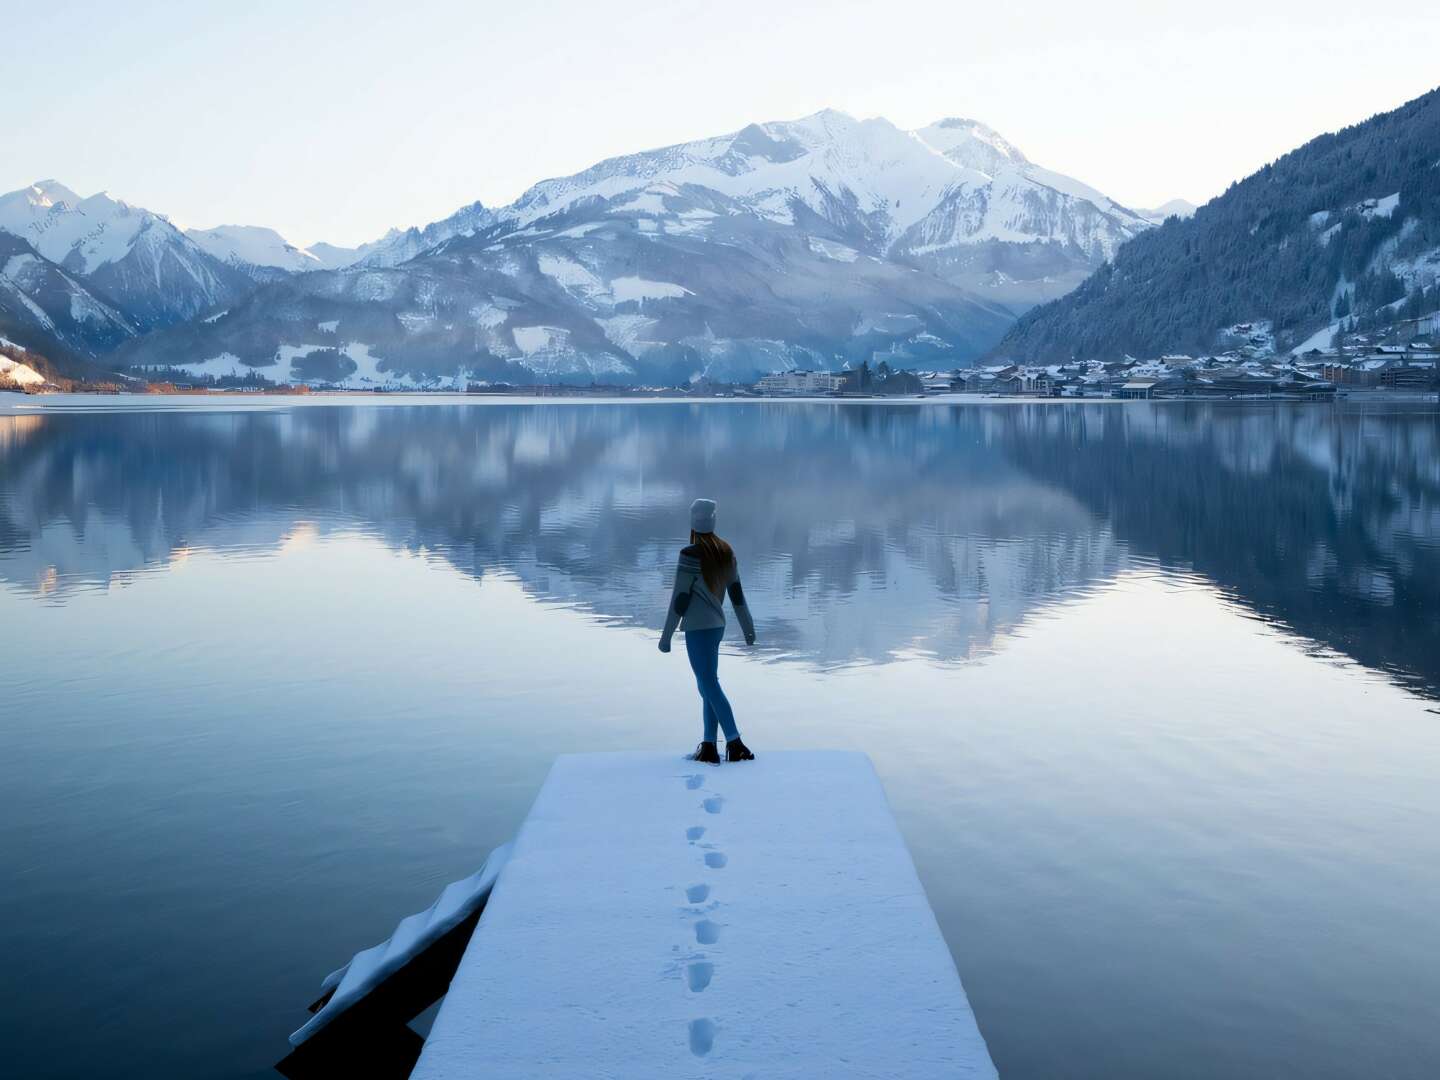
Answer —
702 515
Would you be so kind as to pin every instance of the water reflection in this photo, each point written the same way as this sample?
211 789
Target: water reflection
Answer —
867 531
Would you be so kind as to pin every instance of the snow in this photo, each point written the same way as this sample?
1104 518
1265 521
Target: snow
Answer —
56 222
1380 207
627 331
367 970
579 280
18 373
415 321
286 355
1322 339
969 142
328 327
662 919
488 315
367 374
695 222
18 266
367 371
547 351
1181 208
901 177
16 271
216 317
254 245
570 274
648 202
229 364
1068 186
377 286
581 230
831 250
334 257
1421 270
638 288
533 339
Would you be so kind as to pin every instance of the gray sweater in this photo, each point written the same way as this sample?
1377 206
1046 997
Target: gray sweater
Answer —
694 607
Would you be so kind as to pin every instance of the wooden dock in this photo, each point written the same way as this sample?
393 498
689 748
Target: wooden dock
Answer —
661 919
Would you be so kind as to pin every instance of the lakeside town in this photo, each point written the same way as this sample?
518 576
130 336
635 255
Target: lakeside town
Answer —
1414 367
1251 371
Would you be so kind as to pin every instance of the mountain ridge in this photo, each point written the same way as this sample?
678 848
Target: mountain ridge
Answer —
114 258
815 242
1340 235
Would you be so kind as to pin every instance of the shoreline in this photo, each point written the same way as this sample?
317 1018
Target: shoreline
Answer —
16 403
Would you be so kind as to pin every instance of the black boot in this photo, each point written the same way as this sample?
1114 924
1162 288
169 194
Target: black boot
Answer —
706 754
735 750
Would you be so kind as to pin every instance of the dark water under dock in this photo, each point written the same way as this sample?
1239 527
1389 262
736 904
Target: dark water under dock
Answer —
1152 690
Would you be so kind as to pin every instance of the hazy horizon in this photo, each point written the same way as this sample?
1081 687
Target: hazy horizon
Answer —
266 117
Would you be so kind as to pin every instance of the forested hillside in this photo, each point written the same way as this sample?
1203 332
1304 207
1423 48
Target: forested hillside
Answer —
1341 234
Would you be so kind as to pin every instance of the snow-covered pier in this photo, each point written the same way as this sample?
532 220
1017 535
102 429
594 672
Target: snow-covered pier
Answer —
657 918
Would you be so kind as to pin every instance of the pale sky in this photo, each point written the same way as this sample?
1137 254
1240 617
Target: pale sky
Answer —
334 121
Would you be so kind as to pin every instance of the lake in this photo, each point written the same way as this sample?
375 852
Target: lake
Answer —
1152 688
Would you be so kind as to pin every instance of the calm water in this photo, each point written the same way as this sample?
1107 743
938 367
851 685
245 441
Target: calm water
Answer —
1152 689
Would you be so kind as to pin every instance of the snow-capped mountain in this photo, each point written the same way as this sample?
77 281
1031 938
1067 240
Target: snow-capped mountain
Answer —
1020 231
954 197
815 242
259 253
399 245
336 257
1181 208
131 259
42 306
264 255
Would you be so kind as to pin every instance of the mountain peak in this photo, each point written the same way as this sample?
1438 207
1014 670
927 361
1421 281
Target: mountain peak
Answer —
1181 208
247 247
828 114
971 142
50 192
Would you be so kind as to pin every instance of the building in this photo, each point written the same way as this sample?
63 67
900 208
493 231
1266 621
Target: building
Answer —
940 382
801 382
1408 376
1137 388
1024 382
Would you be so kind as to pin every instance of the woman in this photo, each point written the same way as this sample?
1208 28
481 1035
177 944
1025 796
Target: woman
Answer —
707 569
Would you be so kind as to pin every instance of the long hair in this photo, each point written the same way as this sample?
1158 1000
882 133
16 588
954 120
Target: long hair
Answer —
716 557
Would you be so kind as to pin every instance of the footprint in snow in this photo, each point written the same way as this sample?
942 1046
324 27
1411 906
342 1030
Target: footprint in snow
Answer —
698 975
716 860
707 932
713 804
702 1037
694 833
697 894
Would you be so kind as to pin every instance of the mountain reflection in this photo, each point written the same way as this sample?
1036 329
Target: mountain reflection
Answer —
865 531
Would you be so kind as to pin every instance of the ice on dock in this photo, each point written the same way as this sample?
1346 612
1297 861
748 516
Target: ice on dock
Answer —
659 918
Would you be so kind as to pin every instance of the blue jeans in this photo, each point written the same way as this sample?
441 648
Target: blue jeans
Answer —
703 648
